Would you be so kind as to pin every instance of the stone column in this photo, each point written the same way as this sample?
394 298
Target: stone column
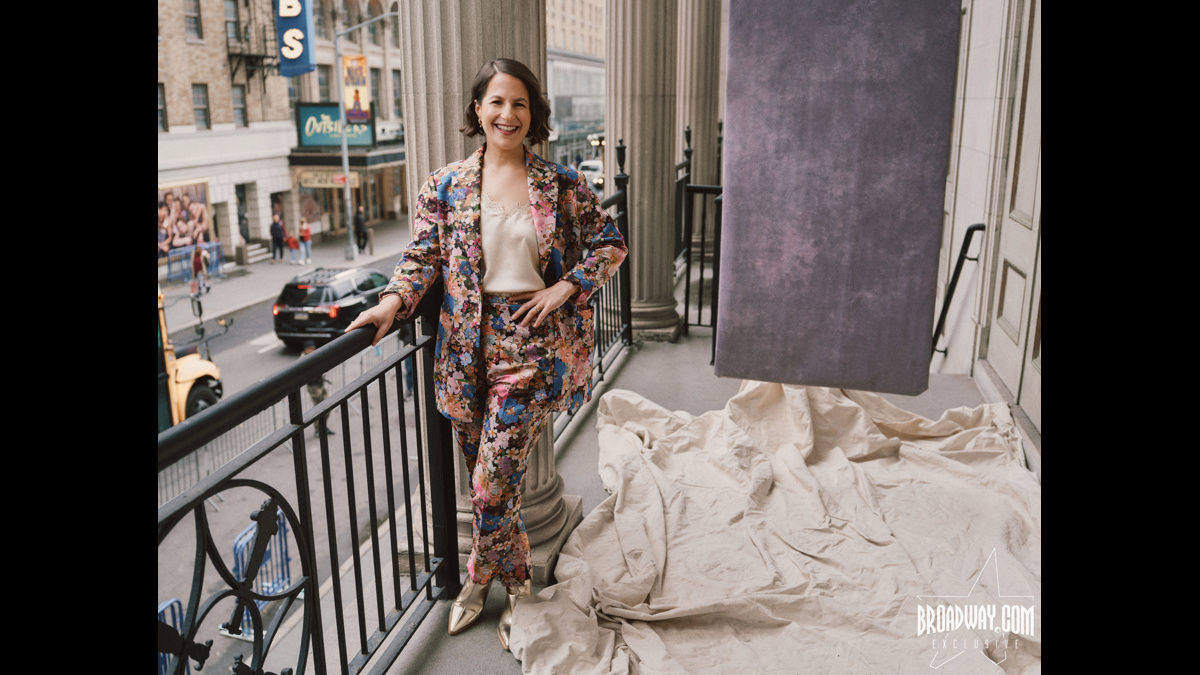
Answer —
640 51
699 85
699 88
444 44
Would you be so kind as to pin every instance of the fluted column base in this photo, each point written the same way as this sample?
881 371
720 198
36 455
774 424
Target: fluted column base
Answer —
658 321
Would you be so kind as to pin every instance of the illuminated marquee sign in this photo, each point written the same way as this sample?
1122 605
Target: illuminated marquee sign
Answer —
319 125
295 22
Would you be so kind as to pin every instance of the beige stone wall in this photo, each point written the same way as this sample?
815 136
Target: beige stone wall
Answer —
576 26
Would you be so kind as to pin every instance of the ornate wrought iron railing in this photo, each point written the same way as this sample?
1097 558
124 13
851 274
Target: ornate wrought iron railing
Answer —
393 590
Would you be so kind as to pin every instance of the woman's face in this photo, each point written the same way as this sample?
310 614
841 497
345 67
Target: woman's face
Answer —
504 112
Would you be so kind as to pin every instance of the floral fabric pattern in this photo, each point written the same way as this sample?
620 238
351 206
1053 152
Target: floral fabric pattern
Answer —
576 239
496 380
520 363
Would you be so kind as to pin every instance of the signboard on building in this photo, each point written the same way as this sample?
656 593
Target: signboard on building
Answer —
357 94
294 26
315 178
319 125
184 218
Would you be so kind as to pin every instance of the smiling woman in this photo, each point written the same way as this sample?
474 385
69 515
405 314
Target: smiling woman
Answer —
507 231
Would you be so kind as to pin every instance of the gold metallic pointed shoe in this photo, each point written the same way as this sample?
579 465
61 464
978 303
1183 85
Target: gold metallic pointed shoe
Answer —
468 605
511 596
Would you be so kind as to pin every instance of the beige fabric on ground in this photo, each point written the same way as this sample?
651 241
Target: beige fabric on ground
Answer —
799 529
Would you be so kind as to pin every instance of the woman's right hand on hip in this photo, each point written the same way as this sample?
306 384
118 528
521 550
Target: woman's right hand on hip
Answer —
380 316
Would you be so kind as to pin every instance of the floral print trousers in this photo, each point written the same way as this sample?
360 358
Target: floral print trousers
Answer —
519 361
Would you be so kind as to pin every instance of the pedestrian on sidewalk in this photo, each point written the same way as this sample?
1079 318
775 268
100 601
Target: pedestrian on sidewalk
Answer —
305 242
293 244
360 229
318 392
277 233
200 261
515 339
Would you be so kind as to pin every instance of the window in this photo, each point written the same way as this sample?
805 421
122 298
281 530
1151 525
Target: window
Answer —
191 19
239 105
396 31
395 94
349 18
200 106
375 92
162 108
293 96
232 31
324 73
374 29
321 20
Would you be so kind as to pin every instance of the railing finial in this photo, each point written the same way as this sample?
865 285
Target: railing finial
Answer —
621 155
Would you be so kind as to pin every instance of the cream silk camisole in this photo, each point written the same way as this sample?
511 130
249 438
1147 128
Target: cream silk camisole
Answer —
510 251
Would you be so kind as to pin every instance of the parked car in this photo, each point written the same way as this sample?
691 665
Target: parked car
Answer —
593 170
320 304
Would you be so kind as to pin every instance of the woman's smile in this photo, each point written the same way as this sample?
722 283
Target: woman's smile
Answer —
504 112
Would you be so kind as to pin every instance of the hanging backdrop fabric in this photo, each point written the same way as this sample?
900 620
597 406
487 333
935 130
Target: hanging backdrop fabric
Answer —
799 529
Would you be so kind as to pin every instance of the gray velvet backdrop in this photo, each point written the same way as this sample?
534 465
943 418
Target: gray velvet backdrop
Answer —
837 138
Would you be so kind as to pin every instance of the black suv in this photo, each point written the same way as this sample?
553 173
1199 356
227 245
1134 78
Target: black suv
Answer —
318 305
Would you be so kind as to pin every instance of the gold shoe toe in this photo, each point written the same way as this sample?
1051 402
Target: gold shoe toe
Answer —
511 597
468 605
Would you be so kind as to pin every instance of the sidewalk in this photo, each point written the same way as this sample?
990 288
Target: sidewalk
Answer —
243 286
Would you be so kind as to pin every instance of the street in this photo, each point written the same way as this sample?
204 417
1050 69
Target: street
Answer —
249 352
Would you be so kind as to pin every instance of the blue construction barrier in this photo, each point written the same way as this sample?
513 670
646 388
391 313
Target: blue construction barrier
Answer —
170 612
274 575
179 262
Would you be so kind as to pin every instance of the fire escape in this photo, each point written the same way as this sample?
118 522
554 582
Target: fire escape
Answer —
252 45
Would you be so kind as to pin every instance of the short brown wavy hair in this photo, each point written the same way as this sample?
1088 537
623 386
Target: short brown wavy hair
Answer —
539 107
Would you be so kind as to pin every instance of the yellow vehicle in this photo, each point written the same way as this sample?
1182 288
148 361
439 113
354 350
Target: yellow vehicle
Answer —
187 383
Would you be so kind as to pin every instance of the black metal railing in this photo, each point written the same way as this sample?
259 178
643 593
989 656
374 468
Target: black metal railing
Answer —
682 244
697 257
962 256
611 304
382 612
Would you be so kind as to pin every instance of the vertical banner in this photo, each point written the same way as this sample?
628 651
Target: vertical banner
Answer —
357 93
295 31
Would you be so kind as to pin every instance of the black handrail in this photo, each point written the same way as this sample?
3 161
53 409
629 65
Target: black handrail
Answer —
962 255
685 218
439 574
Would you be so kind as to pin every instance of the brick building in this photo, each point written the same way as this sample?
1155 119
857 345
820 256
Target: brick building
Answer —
227 119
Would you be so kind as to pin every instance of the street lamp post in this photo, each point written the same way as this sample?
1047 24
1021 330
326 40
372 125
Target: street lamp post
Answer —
351 245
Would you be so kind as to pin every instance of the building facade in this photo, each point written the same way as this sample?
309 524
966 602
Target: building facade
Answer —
227 118
575 78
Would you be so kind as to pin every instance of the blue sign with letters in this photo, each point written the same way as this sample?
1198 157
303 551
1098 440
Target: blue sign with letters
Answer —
295 30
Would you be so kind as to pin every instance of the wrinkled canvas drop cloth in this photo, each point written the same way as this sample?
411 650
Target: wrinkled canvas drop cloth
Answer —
798 530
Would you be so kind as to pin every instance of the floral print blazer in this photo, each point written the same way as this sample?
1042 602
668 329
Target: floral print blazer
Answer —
576 240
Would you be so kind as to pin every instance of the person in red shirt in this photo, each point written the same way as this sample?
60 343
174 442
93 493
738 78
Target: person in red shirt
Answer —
305 242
